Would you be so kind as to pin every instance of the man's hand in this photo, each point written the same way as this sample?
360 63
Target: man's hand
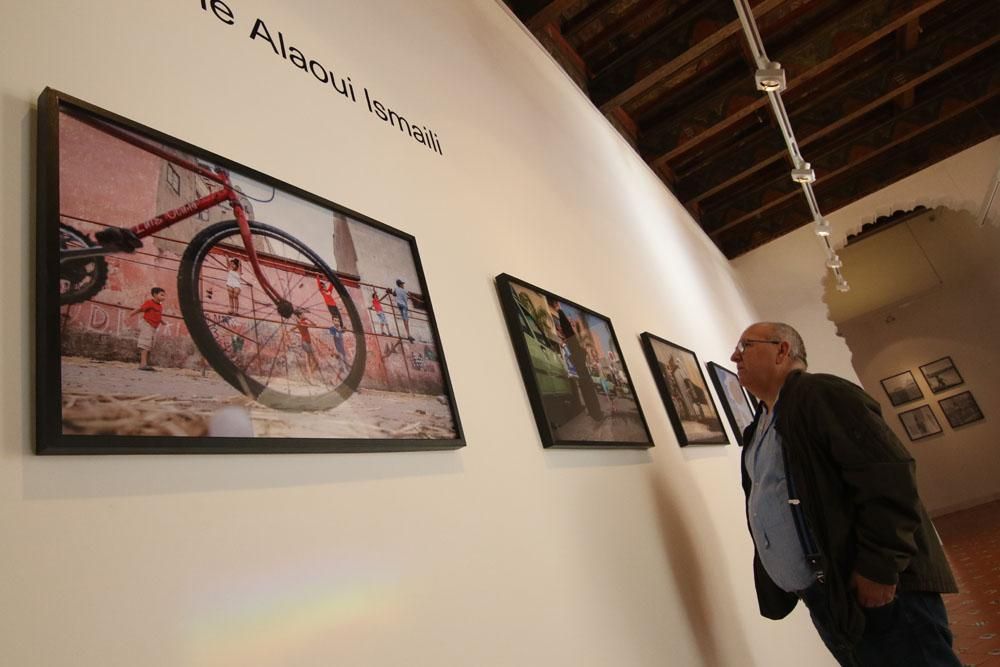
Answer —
871 593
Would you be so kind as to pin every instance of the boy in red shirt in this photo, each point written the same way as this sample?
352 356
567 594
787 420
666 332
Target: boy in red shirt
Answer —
152 316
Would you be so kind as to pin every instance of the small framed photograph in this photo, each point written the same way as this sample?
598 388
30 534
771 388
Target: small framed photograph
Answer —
941 375
902 388
735 402
684 392
920 422
579 387
961 409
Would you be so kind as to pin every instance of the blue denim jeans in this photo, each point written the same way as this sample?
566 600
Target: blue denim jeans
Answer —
910 631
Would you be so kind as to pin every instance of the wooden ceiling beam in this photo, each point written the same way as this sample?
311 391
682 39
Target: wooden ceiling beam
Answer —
841 42
697 51
909 36
930 61
669 39
852 154
633 20
550 13
948 138
565 54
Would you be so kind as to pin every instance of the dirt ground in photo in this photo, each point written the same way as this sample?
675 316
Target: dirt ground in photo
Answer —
621 423
111 397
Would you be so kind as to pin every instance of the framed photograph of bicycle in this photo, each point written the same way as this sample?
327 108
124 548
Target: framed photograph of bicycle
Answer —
735 402
920 422
190 304
684 392
960 409
902 388
577 382
941 375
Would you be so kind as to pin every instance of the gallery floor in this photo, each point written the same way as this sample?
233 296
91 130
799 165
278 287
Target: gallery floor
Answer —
972 540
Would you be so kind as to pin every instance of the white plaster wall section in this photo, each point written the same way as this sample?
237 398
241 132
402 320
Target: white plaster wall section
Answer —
501 553
957 318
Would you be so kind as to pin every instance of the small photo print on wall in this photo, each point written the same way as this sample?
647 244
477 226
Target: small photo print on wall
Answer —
920 422
902 388
580 389
684 392
941 375
961 409
734 399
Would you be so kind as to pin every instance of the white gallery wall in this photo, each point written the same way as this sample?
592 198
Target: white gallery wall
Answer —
500 553
785 280
959 318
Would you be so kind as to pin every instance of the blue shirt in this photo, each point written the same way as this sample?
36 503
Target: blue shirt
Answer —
771 522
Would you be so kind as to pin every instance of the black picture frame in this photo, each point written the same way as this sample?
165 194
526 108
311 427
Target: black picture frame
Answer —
961 409
902 388
578 383
684 392
241 369
920 422
734 398
941 375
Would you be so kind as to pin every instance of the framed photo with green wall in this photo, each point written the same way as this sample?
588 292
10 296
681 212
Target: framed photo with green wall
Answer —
577 381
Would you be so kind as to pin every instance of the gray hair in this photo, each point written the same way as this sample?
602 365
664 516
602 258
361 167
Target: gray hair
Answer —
788 334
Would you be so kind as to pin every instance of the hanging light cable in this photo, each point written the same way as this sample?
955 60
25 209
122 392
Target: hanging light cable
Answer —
770 78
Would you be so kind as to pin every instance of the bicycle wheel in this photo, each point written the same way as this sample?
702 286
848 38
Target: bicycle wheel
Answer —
290 355
79 279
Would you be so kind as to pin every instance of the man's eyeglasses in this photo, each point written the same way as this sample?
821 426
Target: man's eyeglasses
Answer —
744 344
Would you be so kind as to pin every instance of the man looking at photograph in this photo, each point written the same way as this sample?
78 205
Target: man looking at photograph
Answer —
834 514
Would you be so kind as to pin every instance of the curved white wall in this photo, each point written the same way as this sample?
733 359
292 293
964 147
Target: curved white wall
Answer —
498 554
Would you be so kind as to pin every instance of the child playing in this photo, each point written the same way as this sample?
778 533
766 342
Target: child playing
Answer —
326 291
152 317
233 282
379 313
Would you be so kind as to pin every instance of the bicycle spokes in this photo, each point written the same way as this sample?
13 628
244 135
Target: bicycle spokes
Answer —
290 348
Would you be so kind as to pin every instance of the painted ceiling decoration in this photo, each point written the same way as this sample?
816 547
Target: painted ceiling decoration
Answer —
876 90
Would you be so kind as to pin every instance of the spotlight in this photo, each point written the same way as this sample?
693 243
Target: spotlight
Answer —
823 227
770 78
842 286
804 173
834 262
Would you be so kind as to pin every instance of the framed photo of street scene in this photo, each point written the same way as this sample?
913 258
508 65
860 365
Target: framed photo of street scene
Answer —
189 304
941 375
961 409
920 422
902 388
684 392
735 402
578 385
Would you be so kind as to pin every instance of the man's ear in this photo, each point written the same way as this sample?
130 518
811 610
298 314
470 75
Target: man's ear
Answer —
784 349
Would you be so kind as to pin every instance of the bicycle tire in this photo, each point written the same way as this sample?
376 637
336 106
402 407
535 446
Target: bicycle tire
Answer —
291 267
79 279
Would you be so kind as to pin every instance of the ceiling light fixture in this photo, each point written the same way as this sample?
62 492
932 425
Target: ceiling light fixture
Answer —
770 78
804 173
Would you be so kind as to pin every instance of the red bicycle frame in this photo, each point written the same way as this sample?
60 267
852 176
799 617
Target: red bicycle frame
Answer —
173 216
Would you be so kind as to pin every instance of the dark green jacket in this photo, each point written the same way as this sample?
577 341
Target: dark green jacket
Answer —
857 487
